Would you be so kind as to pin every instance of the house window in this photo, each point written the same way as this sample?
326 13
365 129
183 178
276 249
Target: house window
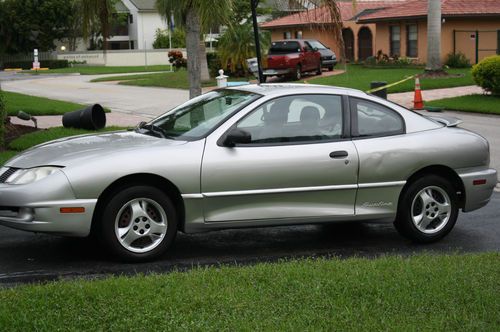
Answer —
395 32
287 35
298 34
411 41
131 18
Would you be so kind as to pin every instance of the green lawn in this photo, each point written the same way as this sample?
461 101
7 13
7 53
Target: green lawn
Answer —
38 137
174 80
471 103
419 293
358 77
96 70
16 102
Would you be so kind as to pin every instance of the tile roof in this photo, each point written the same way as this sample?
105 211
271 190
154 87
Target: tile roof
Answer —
449 8
322 14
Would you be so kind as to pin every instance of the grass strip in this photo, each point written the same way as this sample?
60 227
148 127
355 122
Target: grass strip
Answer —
359 77
37 106
471 103
173 80
417 293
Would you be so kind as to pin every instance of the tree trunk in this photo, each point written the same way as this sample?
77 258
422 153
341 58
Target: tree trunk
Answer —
205 76
434 36
193 30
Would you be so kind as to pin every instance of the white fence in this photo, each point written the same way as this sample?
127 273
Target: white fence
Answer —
120 57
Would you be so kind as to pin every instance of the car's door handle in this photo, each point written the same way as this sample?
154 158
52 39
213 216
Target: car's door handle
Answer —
338 154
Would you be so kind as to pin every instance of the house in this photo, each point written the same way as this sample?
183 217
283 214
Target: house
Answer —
469 27
138 29
359 39
398 27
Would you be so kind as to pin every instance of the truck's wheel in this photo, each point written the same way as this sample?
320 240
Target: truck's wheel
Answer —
297 75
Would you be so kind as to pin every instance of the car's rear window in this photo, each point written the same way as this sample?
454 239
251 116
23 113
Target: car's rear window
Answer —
284 47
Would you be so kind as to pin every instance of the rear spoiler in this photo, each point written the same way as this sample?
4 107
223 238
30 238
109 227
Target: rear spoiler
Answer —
448 121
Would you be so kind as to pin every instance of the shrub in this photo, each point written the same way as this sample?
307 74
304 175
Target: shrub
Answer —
487 74
177 59
162 40
52 64
457 60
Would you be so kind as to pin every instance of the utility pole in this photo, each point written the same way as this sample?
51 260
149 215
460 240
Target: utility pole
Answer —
254 4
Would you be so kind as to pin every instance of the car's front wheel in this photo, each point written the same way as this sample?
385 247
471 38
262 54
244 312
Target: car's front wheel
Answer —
428 209
138 223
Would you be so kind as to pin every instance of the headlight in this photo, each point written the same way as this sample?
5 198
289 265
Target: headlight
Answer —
25 176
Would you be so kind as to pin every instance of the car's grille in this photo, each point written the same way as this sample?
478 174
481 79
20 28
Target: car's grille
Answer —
7 174
328 57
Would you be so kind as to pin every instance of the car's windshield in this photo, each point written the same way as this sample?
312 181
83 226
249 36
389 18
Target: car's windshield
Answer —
317 44
199 116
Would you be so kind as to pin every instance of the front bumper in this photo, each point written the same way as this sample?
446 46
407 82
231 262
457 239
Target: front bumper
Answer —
36 207
477 194
328 63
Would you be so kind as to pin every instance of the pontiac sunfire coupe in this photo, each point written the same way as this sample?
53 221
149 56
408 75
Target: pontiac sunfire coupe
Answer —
251 156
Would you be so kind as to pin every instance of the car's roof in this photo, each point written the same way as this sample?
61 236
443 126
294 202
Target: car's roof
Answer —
294 88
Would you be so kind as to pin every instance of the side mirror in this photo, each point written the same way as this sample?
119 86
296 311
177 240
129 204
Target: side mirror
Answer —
237 136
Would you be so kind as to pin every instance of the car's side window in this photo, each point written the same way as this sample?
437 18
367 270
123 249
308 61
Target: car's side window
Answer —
372 119
300 118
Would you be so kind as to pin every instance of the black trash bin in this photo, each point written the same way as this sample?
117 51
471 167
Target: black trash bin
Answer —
381 93
90 118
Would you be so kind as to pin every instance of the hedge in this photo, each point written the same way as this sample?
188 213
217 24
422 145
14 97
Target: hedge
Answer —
52 64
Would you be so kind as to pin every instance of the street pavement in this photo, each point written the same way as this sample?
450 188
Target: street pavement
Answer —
27 257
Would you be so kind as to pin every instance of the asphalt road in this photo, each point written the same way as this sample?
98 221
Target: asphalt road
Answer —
27 257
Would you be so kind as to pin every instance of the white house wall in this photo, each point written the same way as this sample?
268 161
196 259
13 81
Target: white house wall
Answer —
147 24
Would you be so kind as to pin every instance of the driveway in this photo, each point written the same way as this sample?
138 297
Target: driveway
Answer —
140 101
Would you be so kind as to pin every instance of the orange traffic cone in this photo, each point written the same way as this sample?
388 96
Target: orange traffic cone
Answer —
418 103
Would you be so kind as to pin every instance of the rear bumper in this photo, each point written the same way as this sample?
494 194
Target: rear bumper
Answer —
479 194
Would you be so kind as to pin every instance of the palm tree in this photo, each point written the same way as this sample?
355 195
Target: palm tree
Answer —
433 36
97 12
195 16
238 44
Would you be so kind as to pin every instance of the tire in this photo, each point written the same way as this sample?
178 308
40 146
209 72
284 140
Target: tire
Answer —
428 209
297 75
264 79
138 223
319 71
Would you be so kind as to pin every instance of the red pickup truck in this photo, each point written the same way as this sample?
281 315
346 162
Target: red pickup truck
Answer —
292 57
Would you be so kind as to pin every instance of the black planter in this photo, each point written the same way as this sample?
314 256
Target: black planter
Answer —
381 93
90 118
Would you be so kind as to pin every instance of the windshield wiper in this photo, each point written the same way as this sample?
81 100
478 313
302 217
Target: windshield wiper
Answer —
155 130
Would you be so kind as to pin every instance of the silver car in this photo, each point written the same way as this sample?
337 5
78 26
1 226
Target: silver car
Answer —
251 156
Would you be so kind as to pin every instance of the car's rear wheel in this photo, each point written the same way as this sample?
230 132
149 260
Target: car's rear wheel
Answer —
297 75
428 209
138 223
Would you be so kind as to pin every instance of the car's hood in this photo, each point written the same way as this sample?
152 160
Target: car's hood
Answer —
78 149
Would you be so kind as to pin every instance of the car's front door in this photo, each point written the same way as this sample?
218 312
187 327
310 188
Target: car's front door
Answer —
297 164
